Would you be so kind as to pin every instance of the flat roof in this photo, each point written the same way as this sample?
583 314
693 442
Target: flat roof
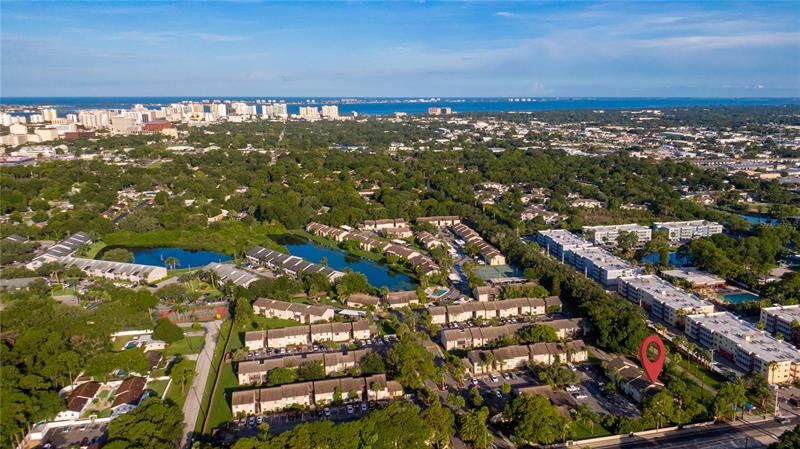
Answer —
620 227
695 276
666 293
565 238
602 258
785 313
750 339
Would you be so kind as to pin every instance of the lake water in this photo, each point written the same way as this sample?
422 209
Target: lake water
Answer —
186 258
379 275
675 259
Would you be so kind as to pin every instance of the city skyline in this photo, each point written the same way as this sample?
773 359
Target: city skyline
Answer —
712 49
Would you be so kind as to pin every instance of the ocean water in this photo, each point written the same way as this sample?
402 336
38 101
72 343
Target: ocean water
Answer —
387 106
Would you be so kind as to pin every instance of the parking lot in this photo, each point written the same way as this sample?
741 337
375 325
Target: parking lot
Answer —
63 437
269 353
590 390
282 421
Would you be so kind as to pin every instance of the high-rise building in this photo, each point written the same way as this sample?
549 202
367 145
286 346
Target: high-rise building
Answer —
309 113
280 110
330 111
49 115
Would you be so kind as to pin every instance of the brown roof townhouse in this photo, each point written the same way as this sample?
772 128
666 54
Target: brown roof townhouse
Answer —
314 394
518 356
304 335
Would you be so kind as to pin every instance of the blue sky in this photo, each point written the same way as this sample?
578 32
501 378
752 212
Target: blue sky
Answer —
697 49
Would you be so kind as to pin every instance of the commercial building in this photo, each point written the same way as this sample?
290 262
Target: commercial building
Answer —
290 264
663 300
303 313
314 394
688 230
488 253
783 320
695 277
600 235
748 348
306 335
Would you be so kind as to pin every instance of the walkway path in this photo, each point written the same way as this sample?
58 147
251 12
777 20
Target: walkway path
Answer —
194 398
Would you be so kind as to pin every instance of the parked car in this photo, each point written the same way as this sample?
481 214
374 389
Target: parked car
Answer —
493 377
363 406
506 376
498 393
327 413
349 409
573 388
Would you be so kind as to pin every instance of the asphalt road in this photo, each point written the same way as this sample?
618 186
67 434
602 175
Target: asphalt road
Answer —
717 436
191 408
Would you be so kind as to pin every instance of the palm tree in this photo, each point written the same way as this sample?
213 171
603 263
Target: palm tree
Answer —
171 262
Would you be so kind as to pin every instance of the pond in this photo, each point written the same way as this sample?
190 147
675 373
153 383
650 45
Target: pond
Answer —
378 274
675 259
186 258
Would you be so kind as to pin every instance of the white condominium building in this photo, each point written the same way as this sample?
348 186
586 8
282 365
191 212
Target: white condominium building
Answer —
688 230
608 234
662 299
747 347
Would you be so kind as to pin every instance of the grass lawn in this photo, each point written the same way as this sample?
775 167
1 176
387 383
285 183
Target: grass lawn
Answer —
701 372
158 386
219 353
220 411
93 250
60 291
582 433
188 345
263 322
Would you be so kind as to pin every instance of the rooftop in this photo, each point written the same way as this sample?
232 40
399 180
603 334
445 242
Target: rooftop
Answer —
747 337
666 293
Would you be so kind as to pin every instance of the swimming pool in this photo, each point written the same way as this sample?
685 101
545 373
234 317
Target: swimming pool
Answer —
738 298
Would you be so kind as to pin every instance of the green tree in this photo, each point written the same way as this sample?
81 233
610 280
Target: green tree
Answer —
280 376
537 333
311 371
730 395
442 421
535 420
118 255
373 363
167 331
182 373
409 362
472 428
152 425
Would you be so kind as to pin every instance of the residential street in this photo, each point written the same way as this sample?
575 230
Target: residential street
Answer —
191 408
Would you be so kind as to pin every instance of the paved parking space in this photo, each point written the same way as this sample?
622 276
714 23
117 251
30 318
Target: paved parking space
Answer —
591 381
283 421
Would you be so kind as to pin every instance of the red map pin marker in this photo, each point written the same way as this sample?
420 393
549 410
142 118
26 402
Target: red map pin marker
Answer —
652 367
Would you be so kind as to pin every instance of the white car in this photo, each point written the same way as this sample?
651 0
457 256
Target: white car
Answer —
581 396
493 377
572 388
506 376
363 406
327 413
349 409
